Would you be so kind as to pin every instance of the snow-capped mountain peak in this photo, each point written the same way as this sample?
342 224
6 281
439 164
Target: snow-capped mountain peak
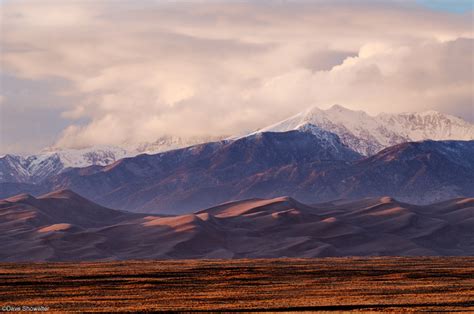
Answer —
368 134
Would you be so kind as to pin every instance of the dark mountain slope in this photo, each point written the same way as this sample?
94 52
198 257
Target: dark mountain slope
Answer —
419 172
199 176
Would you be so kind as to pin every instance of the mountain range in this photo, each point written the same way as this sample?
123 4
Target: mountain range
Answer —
300 164
318 155
63 226
358 130
54 160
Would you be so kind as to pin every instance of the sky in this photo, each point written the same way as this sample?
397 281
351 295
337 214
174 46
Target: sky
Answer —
82 73
455 6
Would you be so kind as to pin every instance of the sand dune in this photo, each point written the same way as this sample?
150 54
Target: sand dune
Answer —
55 227
64 226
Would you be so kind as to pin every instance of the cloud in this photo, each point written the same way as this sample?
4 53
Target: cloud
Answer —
428 75
137 71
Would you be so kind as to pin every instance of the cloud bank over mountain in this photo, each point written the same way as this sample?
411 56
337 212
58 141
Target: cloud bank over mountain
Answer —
113 72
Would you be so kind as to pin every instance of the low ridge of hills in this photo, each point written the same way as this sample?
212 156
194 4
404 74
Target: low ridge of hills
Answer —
63 226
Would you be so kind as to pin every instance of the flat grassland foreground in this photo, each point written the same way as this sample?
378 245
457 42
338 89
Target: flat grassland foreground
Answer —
258 284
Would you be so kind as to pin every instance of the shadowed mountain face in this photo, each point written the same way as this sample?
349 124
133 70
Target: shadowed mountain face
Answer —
420 172
310 166
273 164
64 226
201 176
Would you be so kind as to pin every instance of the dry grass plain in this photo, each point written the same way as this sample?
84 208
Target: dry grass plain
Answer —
327 284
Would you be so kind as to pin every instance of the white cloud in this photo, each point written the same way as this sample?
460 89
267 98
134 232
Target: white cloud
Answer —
138 70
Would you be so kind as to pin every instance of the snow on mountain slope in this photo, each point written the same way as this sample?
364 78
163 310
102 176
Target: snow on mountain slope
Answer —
97 155
368 134
166 143
13 169
429 125
35 168
52 161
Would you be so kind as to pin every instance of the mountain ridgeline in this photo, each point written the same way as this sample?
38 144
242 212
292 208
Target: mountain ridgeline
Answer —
358 130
